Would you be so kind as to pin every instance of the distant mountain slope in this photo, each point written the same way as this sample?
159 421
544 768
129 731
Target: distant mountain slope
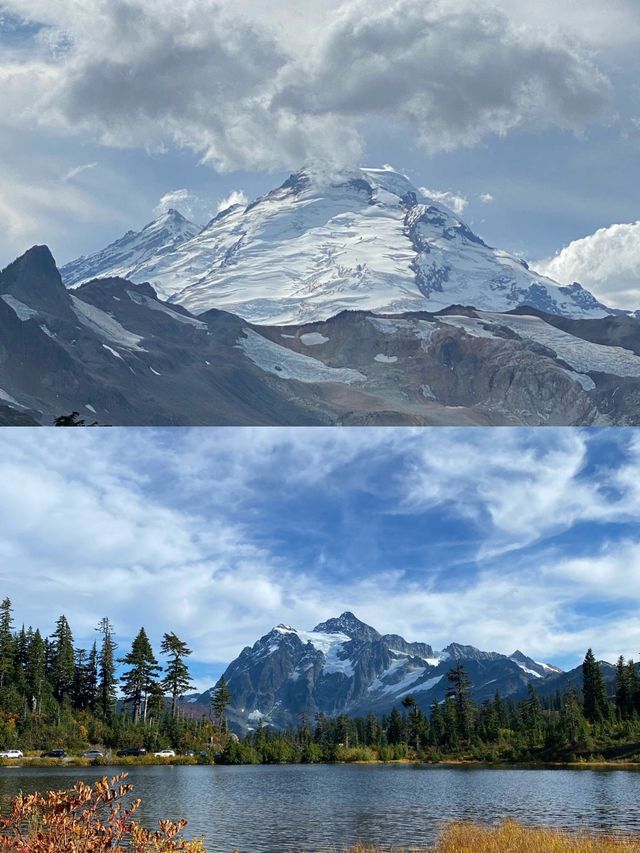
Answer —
345 666
312 248
113 351
131 252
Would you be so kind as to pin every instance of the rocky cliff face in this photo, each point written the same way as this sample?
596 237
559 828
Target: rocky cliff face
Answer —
113 351
346 666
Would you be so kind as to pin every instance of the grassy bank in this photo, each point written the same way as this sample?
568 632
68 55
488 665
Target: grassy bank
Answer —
511 837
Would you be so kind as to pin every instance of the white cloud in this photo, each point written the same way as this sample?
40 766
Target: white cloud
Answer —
456 202
178 543
188 203
78 170
606 262
243 94
234 197
486 198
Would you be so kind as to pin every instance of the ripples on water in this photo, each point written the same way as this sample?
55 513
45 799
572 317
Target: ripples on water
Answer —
324 808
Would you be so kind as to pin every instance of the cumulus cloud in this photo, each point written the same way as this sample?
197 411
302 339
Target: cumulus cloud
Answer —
606 262
232 88
486 198
456 202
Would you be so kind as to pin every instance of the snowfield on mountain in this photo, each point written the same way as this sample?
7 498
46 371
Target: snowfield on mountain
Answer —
313 247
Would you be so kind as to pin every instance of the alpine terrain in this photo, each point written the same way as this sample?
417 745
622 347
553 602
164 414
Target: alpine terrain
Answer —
316 245
344 666
113 351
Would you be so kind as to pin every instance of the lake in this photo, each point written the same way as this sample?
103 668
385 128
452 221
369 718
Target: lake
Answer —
266 809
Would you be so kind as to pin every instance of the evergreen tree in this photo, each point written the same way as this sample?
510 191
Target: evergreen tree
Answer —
177 680
418 725
220 701
436 721
624 690
595 705
106 688
6 642
62 660
139 679
460 692
395 729
36 670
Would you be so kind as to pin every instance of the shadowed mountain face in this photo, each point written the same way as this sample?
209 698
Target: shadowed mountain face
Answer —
345 666
367 241
111 350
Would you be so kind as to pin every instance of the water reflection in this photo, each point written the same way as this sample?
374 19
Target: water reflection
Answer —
316 808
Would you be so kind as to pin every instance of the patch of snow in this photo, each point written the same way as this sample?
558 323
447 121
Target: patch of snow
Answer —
23 311
256 715
427 392
113 352
313 339
90 407
155 371
582 356
526 669
47 331
154 305
385 359
104 324
582 379
286 364
7 398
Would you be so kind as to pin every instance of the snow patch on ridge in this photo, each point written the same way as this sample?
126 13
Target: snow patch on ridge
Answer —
287 364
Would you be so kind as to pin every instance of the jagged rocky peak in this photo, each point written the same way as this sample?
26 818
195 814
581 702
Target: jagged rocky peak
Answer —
347 624
33 283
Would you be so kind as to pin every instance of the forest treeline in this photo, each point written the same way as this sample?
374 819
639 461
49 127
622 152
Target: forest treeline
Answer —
56 695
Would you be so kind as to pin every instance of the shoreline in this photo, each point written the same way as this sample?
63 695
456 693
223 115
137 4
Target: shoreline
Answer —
190 761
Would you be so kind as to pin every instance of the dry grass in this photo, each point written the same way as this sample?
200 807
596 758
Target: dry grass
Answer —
511 837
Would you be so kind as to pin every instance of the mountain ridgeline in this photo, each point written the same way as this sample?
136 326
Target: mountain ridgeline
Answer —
344 666
113 351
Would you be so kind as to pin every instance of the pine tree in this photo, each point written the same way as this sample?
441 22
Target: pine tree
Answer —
395 729
106 689
177 680
418 725
6 643
62 660
36 670
436 724
624 690
220 701
595 705
460 692
138 681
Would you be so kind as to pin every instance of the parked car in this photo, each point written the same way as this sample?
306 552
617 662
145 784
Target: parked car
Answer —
135 751
55 753
11 753
165 753
93 753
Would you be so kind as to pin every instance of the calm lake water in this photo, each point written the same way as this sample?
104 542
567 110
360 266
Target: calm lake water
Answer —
323 808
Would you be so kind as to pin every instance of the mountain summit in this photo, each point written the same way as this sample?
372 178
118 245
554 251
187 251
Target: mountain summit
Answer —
345 666
313 247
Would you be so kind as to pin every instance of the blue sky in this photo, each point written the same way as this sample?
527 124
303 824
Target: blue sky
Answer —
528 113
502 538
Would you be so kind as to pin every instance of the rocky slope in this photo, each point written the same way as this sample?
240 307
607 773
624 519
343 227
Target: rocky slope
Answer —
315 246
113 351
346 666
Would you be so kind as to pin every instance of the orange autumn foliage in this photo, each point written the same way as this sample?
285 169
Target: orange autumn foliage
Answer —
87 819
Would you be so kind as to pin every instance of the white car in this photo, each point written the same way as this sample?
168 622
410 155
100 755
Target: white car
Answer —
11 753
165 753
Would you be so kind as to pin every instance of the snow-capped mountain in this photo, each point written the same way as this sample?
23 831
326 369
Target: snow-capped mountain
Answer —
313 247
346 666
129 254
